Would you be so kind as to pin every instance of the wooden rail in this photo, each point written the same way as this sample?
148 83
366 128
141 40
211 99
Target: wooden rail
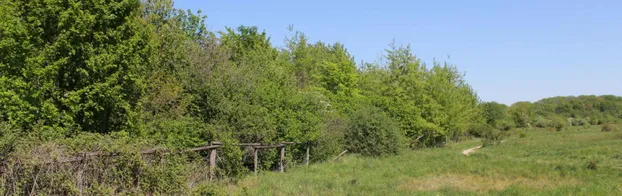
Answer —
212 147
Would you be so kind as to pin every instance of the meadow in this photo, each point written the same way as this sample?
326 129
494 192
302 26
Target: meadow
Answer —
575 161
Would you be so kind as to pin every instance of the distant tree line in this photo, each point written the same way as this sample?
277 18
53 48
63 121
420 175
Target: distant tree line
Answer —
555 112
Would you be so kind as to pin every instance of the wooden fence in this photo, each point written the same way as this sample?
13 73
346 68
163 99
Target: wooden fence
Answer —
212 148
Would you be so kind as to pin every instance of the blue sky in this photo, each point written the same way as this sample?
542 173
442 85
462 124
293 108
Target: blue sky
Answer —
510 50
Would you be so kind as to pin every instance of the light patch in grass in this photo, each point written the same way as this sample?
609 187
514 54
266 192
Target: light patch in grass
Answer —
249 182
481 184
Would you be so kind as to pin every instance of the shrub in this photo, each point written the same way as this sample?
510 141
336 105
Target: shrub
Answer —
479 130
493 137
124 172
559 125
596 121
372 133
8 139
330 141
209 188
506 125
579 122
608 128
542 122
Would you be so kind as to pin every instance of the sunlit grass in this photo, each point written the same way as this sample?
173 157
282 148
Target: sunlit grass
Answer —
545 162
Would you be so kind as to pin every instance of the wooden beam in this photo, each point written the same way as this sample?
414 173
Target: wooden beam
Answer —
91 155
270 146
344 152
247 144
202 148
213 145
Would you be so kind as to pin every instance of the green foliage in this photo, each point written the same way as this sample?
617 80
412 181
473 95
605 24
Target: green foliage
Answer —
506 124
327 66
542 122
71 66
330 141
493 112
479 130
582 110
457 100
430 106
557 112
372 133
493 137
8 140
521 113
559 125
210 189
120 169
496 115
579 121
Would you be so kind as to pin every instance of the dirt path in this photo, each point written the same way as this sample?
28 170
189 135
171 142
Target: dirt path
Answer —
470 150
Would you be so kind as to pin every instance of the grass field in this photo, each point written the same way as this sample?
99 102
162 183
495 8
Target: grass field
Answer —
543 162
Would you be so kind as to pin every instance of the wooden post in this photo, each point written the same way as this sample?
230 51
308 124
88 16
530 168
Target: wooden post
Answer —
281 162
212 163
344 152
80 179
307 155
255 160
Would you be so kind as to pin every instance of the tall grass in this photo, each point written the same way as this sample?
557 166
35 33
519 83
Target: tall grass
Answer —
542 162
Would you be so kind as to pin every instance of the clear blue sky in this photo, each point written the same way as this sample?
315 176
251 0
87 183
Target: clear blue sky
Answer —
510 50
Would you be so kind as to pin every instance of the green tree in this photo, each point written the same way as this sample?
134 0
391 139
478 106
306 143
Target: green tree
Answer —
72 64
494 112
457 100
521 113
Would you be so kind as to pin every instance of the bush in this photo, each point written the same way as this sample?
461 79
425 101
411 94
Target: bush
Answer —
330 141
373 133
124 172
506 125
608 128
493 137
209 188
542 122
479 130
596 121
579 122
559 124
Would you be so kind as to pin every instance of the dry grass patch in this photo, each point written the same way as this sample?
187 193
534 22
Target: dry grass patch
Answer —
249 182
481 184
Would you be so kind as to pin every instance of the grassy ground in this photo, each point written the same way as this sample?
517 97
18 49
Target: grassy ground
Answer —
544 162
